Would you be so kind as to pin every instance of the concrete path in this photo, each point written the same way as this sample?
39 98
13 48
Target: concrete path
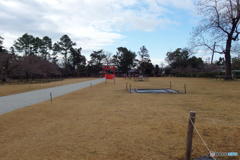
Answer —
12 102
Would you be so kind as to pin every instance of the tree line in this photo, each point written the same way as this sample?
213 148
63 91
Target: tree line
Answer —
34 57
38 57
183 63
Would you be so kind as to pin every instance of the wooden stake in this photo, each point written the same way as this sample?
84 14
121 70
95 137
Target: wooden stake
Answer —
191 121
185 89
170 84
51 96
130 88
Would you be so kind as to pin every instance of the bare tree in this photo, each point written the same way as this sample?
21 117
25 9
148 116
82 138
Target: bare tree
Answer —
8 63
220 28
108 58
144 59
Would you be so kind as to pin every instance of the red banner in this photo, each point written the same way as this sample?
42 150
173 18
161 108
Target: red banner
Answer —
109 72
109 76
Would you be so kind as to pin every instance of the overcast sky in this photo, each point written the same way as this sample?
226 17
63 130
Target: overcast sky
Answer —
160 25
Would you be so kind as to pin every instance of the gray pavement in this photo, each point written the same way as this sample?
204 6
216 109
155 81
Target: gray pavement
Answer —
12 102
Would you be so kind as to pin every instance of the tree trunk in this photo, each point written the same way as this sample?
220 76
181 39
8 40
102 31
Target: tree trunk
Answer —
4 78
228 66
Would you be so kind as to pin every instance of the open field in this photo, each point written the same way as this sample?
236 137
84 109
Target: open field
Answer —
105 122
8 89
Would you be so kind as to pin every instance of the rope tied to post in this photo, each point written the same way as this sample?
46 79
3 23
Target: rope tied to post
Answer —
201 138
191 128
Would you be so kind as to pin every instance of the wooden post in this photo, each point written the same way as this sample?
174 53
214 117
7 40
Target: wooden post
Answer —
191 121
126 86
105 81
51 96
114 81
185 89
130 88
170 84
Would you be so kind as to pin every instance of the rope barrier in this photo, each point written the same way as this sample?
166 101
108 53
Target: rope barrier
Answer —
234 124
205 144
211 154
215 112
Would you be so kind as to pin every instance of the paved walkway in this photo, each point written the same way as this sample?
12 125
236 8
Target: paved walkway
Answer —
12 102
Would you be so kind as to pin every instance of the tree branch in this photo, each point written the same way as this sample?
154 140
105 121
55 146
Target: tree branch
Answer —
218 20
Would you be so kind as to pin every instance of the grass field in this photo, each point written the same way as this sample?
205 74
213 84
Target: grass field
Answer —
105 122
8 89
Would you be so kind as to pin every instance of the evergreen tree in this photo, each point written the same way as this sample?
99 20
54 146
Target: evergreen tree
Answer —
124 59
25 44
64 47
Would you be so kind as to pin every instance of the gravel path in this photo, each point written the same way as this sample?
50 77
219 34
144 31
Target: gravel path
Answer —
12 102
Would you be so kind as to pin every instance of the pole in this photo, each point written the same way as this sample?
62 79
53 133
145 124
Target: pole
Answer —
130 88
185 89
51 96
213 52
191 121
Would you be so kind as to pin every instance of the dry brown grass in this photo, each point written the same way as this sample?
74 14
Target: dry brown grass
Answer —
105 122
8 89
